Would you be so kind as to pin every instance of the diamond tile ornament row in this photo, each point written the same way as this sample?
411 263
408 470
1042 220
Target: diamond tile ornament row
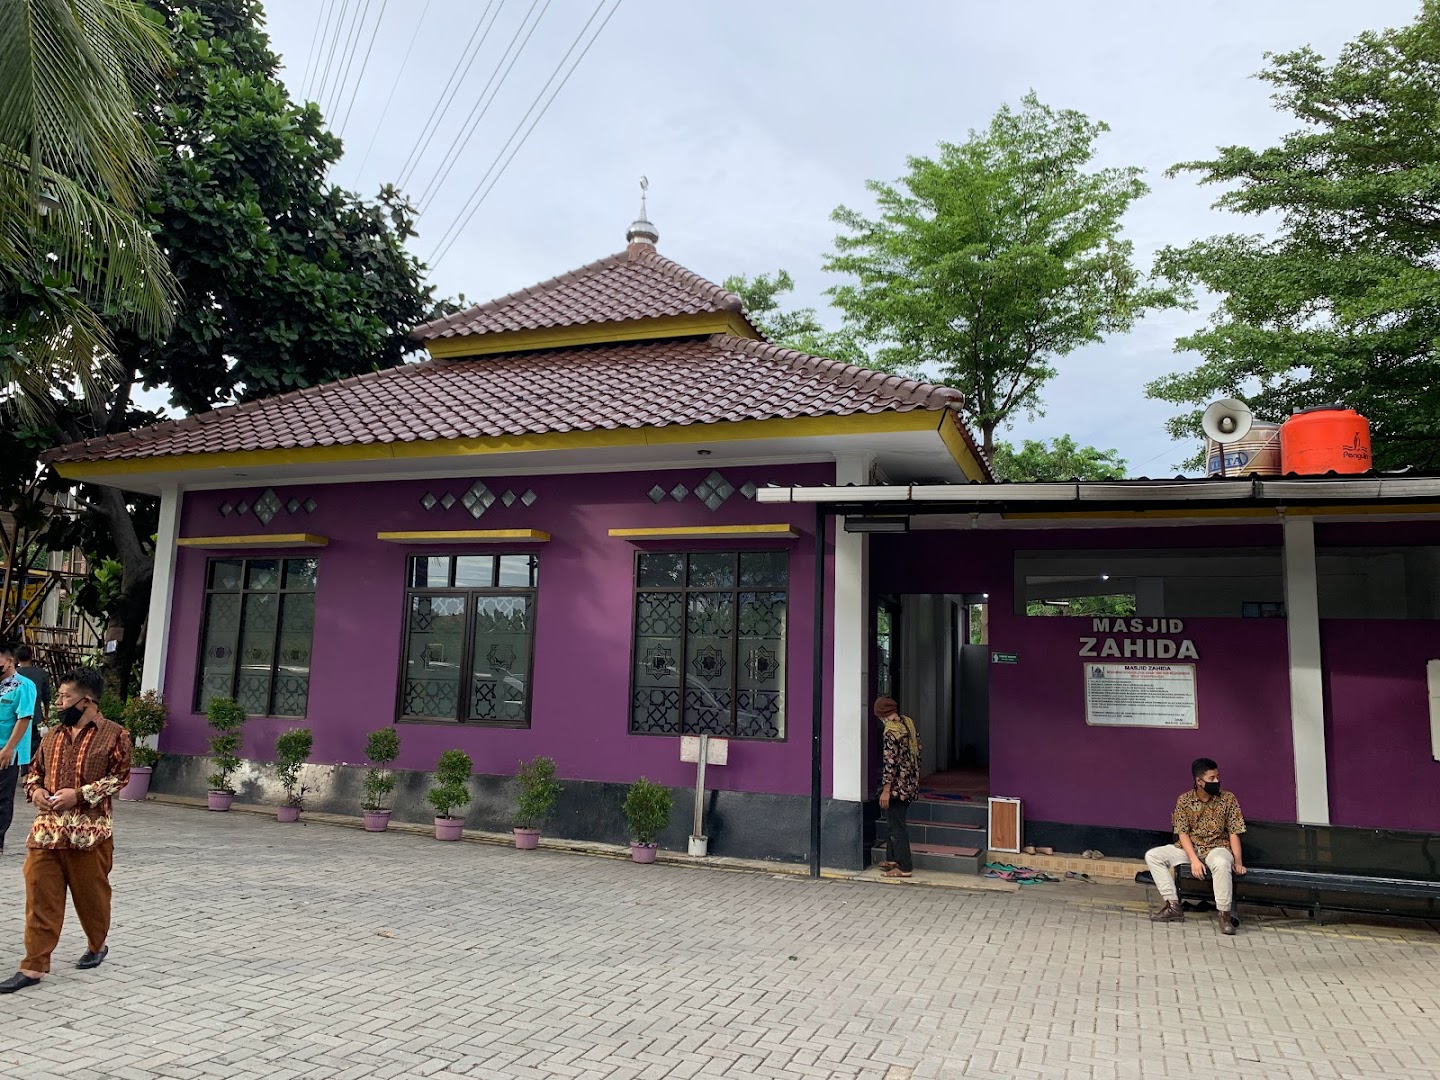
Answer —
267 505
712 491
477 499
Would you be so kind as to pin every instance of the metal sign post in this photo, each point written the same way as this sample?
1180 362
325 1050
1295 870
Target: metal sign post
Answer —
703 750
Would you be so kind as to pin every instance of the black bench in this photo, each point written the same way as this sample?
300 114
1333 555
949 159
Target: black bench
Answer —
1330 867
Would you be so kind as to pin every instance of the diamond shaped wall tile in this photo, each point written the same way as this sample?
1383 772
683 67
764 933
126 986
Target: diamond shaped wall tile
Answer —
447 500
478 495
508 498
225 509
678 492
267 506
293 506
428 501
713 500
309 506
656 495
748 489
242 507
529 497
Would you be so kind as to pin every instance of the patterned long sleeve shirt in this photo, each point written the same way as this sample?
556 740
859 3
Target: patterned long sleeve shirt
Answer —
93 757
1209 824
901 771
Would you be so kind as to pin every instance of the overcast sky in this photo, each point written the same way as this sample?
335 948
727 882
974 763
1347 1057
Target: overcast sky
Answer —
753 121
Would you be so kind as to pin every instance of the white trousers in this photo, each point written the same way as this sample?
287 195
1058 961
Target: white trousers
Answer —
1163 860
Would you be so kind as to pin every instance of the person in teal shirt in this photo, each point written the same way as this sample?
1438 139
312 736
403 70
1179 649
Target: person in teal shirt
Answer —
17 714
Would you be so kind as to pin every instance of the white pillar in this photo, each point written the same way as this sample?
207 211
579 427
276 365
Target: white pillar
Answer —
162 591
851 659
1307 684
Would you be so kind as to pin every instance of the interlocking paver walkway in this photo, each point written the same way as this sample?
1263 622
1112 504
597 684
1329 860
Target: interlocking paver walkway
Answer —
244 948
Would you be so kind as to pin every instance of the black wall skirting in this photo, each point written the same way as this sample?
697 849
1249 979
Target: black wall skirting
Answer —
1115 843
741 825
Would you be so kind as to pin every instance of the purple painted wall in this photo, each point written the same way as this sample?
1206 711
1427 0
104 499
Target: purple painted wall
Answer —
1378 723
584 612
1381 773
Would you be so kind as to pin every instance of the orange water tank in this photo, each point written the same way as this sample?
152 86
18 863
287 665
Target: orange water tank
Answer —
1328 439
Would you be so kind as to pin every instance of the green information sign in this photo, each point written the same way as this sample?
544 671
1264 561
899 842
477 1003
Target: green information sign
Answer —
1004 658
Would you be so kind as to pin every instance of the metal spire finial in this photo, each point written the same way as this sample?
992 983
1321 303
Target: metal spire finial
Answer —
641 230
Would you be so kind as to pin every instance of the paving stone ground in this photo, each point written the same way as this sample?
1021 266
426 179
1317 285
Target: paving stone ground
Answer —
243 948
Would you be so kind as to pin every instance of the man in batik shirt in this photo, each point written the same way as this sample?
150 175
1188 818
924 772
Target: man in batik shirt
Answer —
1208 824
83 761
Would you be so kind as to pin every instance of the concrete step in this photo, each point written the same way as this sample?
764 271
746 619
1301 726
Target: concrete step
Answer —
939 857
949 812
929 832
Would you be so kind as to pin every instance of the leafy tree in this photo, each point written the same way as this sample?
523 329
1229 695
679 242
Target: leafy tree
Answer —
288 280
1033 461
74 165
995 258
1340 305
798 329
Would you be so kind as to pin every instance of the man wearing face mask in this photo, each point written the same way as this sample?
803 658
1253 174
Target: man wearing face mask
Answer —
84 759
1208 824
17 716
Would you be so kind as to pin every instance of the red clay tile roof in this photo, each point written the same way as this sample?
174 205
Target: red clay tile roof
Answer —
638 283
662 383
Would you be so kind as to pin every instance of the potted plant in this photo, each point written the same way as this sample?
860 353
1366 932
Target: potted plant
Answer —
451 790
144 719
647 812
226 718
538 793
381 748
292 750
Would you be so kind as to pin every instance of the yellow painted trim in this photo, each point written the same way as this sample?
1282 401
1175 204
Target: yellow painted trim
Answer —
960 449
709 532
1264 513
604 333
800 427
467 536
258 540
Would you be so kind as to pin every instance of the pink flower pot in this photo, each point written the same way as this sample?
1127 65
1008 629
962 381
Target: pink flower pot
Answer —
448 828
220 800
287 813
527 839
643 853
376 820
138 786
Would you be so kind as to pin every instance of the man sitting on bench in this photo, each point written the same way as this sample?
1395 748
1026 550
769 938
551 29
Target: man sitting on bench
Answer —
1208 824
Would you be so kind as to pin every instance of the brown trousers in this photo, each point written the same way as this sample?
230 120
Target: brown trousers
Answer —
47 876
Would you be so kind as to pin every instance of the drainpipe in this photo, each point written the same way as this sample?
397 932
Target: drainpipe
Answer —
817 688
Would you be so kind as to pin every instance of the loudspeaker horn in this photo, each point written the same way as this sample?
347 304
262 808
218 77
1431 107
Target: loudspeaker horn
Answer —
1227 421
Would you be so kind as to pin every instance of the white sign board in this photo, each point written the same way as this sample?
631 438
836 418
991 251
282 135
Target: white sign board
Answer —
717 750
1140 695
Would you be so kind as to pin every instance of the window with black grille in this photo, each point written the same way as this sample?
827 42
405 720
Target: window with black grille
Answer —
709 652
259 622
469 638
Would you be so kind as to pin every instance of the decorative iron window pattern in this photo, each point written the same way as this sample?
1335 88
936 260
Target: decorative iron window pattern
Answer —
469 638
259 624
709 653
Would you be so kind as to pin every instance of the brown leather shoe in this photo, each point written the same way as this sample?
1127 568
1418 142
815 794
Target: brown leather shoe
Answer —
1227 924
1171 912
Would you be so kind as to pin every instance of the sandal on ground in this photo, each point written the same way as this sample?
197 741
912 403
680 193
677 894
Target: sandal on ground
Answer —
888 865
1003 875
896 872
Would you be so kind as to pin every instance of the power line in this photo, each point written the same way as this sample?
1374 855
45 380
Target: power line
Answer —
447 162
380 124
458 227
337 11
315 49
360 76
421 141
342 71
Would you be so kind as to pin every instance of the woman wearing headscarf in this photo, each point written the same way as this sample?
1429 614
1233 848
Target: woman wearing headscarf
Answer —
900 781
